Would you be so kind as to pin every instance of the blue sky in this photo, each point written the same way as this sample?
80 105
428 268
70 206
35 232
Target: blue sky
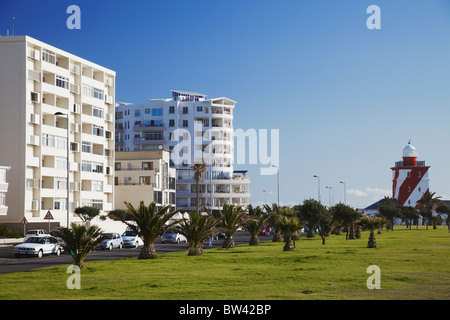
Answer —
346 99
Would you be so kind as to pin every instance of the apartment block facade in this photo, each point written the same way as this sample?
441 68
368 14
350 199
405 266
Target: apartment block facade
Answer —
3 190
144 176
46 96
195 130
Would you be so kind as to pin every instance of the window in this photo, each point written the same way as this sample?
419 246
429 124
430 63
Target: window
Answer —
92 203
185 123
171 123
62 82
185 110
146 180
137 113
154 136
97 112
157 112
118 166
60 163
97 130
147 165
48 56
171 109
93 92
50 140
147 111
97 185
86 146
92 166
2 199
419 174
60 184
199 108
59 204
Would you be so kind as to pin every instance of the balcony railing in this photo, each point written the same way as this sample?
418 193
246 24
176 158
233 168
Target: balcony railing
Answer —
409 164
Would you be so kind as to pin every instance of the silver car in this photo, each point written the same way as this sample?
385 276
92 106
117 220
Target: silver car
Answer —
38 246
111 240
172 236
131 239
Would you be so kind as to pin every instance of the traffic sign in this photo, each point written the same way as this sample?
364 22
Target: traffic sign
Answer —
48 216
24 221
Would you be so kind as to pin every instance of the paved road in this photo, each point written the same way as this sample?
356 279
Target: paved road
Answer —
9 263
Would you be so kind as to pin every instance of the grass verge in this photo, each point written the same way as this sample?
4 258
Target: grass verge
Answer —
414 264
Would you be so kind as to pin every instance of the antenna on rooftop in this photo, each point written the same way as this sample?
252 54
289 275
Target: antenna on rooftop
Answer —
14 19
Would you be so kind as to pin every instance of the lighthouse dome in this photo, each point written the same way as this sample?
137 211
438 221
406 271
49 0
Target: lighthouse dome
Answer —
409 151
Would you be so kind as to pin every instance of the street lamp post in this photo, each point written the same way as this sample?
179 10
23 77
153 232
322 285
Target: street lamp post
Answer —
329 195
345 193
278 178
68 166
318 186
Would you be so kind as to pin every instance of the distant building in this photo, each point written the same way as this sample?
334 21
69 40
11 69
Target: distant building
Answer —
204 128
144 176
3 190
410 179
49 95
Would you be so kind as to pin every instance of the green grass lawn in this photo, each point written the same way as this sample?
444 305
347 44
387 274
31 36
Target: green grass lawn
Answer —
414 264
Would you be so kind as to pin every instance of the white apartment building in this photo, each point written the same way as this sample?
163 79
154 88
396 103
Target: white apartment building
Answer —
46 96
195 130
144 175
3 190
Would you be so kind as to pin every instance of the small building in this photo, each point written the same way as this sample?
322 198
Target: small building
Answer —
144 175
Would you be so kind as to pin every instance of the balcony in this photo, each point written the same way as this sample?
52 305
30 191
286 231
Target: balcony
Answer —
149 127
410 164
143 141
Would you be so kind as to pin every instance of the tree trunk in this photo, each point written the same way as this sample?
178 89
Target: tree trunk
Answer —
228 243
277 237
352 234
372 243
254 241
147 251
288 244
195 250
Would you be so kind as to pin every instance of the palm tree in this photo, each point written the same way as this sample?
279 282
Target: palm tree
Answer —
199 170
371 224
149 224
79 241
289 226
426 205
274 215
344 215
257 218
197 229
232 217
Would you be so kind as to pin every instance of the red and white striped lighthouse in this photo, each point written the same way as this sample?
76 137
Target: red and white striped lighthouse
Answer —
410 178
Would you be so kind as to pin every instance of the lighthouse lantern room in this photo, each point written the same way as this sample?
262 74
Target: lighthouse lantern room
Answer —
410 178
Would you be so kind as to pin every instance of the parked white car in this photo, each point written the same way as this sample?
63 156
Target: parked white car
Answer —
112 240
36 233
172 236
38 246
131 239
